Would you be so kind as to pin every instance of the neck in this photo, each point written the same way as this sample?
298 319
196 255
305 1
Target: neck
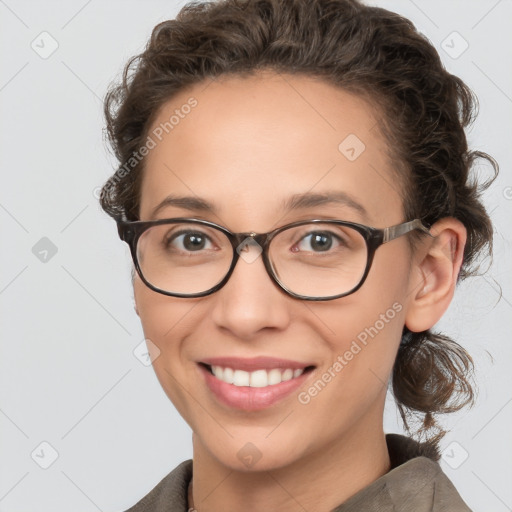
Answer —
340 470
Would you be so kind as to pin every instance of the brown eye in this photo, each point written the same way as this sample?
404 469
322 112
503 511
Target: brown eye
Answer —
188 240
319 241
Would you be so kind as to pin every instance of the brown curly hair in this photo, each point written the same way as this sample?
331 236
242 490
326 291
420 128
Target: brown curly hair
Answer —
371 52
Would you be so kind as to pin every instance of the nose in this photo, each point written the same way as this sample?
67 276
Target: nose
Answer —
251 301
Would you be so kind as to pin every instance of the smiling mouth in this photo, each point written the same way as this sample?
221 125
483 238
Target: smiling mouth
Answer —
257 378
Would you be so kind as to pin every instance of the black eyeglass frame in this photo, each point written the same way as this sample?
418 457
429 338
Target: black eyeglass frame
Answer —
130 232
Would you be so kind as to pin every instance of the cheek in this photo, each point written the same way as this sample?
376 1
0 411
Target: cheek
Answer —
363 330
162 317
164 322
351 387
363 351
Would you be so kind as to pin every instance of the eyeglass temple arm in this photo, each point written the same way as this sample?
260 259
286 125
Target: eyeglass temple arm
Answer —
401 229
124 233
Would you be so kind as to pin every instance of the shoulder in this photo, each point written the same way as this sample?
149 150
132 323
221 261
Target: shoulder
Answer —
422 483
417 475
170 494
415 481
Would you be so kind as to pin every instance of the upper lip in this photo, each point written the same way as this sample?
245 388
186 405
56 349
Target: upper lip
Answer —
255 363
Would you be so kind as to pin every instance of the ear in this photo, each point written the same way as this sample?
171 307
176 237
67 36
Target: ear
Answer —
434 272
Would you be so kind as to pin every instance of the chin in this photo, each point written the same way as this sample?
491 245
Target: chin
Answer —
255 462
249 454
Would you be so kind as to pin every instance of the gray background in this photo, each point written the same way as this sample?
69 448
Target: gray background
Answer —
68 373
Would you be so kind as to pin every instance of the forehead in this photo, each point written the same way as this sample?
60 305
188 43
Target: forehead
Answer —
247 144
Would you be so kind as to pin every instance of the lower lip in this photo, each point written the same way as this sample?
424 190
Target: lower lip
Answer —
248 398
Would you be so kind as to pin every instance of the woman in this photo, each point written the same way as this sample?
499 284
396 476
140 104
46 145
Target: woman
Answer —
293 185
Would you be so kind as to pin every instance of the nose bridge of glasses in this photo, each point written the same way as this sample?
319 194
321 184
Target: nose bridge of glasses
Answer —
250 238
249 245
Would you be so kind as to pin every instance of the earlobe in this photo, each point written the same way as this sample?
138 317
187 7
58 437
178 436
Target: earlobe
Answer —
434 274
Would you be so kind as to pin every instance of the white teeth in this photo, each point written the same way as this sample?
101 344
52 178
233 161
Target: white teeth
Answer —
257 378
227 375
241 378
287 374
274 376
217 371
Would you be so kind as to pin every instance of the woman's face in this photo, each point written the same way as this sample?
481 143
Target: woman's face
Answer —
247 145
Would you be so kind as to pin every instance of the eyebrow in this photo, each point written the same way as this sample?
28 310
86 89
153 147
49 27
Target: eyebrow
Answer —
295 202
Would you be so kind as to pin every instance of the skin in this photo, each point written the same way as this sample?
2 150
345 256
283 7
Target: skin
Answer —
247 145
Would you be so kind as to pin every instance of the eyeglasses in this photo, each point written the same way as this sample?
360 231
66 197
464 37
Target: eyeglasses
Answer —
310 260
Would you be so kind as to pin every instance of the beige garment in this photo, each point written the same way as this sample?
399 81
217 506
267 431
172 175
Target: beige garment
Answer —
415 483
